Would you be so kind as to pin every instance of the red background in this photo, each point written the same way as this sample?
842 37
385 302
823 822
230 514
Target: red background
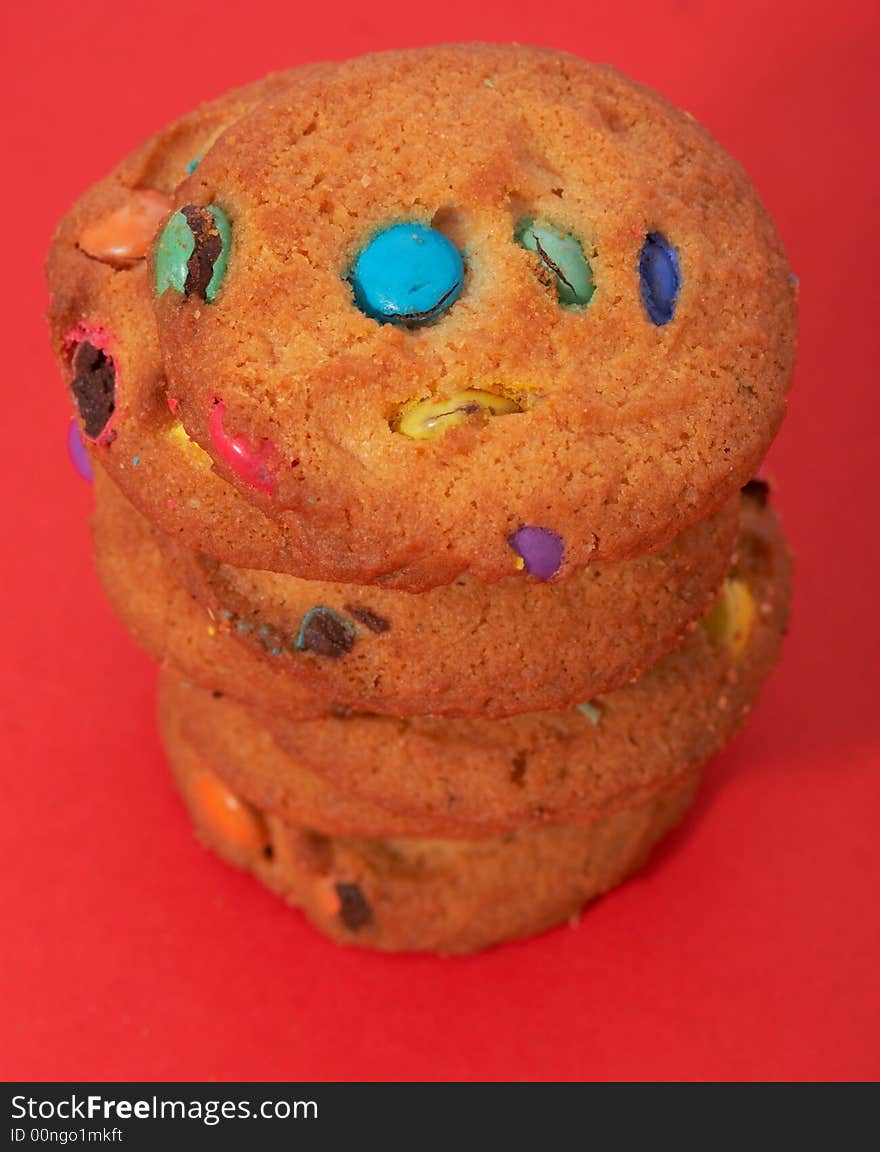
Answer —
750 948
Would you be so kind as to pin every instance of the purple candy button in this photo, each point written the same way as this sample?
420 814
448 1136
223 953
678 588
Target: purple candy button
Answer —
77 450
540 549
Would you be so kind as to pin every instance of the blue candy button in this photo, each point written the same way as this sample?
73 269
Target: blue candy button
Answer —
408 274
659 278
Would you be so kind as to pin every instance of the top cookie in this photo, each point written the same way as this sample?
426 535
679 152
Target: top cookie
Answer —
471 309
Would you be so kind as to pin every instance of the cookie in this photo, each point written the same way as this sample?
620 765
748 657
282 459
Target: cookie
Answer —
456 778
417 451
467 648
561 341
250 763
639 405
500 773
461 649
165 620
105 342
417 894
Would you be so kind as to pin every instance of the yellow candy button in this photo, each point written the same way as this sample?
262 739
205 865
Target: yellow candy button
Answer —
732 618
177 436
427 419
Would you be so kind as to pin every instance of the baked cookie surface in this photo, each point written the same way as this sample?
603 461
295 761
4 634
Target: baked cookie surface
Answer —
460 649
467 648
360 775
569 764
105 342
423 894
605 365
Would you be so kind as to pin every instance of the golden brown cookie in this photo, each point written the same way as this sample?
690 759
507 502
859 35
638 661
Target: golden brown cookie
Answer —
467 648
447 896
165 620
455 778
250 762
461 649
507 427
105 342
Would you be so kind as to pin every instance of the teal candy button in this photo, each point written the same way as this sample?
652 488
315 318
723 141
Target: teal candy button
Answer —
407 274
221 220
186 230
562 256
176 245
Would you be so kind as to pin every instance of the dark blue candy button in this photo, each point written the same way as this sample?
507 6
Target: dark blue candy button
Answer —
659 278
408 274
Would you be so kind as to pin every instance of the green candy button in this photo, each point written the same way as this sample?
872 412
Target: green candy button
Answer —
562 256
184 230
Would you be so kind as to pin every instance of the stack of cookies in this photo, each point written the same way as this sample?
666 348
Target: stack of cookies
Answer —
423 394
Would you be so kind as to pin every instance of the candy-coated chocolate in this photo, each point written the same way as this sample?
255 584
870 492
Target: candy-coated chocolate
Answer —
249 463
326 633
77 451
659 278
562 261
732 618
540 549
94 381
591 711
193 251
327 898
407 274
227 816
123 237
177 435
428 419
176 245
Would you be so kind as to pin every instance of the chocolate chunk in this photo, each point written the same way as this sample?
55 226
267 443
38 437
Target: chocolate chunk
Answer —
518 769
326 633
758 490
94 387
354 911
367 618
208 246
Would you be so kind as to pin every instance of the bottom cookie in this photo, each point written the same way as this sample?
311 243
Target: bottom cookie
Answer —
425 895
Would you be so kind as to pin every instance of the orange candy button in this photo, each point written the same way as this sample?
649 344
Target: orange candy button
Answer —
228 817
122 237
328 898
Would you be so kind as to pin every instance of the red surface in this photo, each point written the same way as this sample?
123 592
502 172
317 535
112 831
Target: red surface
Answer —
751 947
